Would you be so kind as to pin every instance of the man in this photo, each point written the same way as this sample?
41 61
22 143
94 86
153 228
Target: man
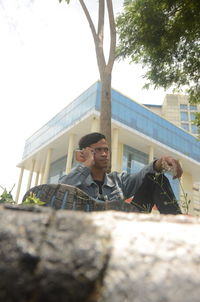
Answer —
146 188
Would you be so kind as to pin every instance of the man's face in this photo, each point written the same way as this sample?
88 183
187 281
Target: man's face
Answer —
101 154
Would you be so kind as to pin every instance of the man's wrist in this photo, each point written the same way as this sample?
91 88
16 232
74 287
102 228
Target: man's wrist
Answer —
157 166
88 163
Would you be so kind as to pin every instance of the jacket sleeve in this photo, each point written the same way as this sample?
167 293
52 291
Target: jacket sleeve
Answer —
132 182
76 176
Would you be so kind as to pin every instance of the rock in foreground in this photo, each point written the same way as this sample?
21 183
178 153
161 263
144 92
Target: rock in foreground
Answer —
71 256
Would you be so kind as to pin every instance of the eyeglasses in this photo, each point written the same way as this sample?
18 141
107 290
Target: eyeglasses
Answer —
101 150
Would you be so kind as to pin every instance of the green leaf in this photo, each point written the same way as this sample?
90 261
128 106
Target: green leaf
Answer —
33 200
164 37
6 196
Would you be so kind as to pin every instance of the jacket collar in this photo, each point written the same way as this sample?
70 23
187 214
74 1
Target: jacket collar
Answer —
107 181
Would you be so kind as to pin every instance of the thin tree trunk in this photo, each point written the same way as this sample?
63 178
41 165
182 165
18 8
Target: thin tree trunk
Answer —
105 112
105 69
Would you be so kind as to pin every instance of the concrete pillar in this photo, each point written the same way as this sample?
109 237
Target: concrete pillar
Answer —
151 153
120 157
70 153
37 178
41 177
19 184
115 142
47 166
30 175
95 125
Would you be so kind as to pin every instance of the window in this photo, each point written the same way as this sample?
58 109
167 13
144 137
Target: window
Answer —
184 116
183 107
192 116
133 160
194 129
185 126
193 107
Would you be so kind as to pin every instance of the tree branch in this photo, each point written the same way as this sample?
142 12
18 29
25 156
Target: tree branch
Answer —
98 39
91 24
112 36
101 18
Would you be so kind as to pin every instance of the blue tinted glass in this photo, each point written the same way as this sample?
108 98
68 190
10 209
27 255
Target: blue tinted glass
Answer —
183 107
133 160
124 110
193 107
192 116
184 116
194 129
141 119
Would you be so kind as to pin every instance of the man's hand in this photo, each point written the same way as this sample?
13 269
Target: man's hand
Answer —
168 163
88 155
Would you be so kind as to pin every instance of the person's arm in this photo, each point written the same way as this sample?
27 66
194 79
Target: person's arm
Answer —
168 163
76 176
132 182
79 173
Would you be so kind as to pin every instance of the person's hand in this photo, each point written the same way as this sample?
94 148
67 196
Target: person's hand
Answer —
88 155
168 163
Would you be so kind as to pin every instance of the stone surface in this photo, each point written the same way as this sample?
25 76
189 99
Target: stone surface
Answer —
49 255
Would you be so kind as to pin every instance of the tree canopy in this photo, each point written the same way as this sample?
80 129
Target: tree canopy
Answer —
164 36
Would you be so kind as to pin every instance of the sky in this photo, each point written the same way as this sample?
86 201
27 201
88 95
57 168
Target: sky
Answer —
47 59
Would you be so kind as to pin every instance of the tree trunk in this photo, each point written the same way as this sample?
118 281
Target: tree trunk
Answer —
105 69
105 112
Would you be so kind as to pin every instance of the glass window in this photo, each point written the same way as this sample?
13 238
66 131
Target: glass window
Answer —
57 169
185 126
193 107
183 107
194 129
184 116
192 116
133 160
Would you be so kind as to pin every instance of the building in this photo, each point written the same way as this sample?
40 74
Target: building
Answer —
138 137
177 109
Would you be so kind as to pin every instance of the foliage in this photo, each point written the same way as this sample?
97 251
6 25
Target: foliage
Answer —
185 203
65 1
164 37
197 122
33 200
6 196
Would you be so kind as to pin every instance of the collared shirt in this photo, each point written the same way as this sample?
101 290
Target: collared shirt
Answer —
116 186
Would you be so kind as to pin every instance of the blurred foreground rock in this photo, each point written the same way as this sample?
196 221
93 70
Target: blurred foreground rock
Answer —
71 256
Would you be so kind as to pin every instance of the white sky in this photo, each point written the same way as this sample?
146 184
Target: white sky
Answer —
47 59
